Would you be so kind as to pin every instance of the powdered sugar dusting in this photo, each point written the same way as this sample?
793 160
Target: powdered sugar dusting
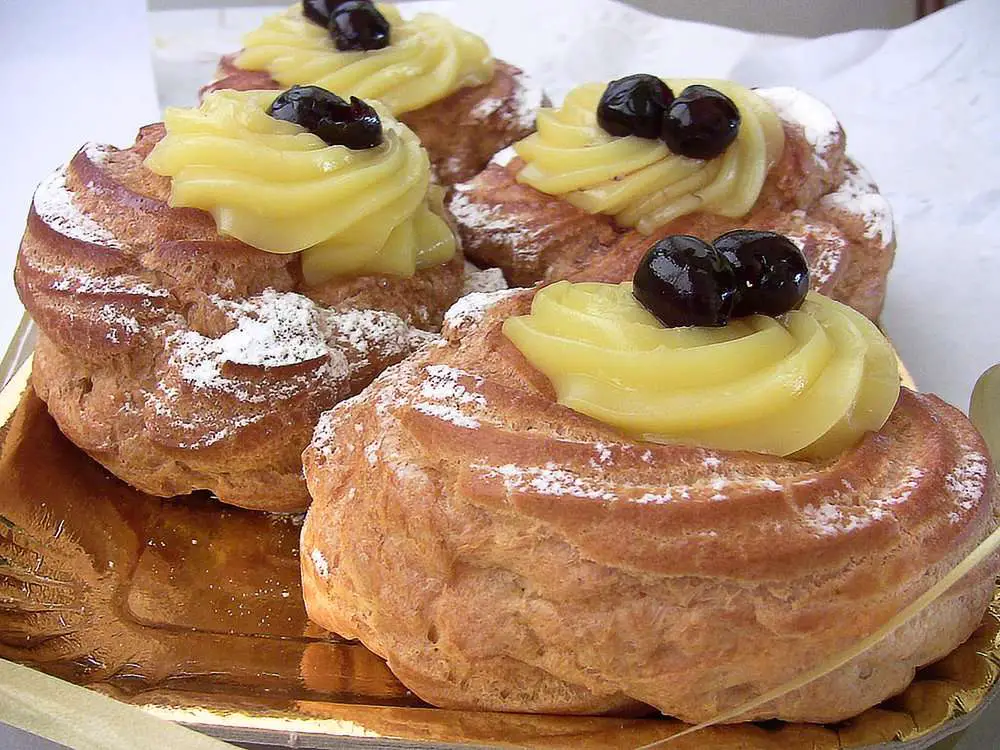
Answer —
485 108
97 153
527 100
272 330
471 308
902 493
828 518
519 109
84 283
824 265
504 157
491 220
367 328
859 195
448 414
320 564
322 438
967 481
277 329
54 205
818 122
548 480
444 396
485 280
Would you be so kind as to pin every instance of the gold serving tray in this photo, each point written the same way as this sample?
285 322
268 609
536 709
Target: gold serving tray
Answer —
193 611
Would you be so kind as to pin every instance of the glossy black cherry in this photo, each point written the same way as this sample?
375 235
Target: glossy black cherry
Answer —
355 124
318 11
684 281
358 25
771 270
700 123
634 105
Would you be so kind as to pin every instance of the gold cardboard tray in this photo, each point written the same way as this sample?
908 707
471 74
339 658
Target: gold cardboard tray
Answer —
192 611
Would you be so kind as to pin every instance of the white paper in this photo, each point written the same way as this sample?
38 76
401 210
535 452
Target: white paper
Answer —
71 71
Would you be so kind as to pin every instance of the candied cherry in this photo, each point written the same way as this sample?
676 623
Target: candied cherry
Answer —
684 281
318 11
358 25
339 123
771 270
634 105
700 123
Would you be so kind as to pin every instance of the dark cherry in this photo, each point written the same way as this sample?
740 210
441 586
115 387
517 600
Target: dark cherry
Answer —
771 270
358 25
634 105
684 281
700 123
318 11
339 123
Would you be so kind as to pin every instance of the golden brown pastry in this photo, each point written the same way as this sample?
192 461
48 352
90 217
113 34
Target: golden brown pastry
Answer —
813 193
503 552
476 106
182 359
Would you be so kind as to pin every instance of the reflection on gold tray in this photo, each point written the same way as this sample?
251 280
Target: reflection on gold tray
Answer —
192 610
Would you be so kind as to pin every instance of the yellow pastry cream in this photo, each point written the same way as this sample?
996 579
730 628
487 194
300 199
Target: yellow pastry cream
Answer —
427 59
279 188
808 383
639 181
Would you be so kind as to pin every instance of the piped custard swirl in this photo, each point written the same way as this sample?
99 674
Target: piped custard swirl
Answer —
427 59
281 189
808 383
640 181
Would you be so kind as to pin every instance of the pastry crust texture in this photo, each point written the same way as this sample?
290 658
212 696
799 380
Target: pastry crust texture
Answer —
816 195
505 553
182 360
460 132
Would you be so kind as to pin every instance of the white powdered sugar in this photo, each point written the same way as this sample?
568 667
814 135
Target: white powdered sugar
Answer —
858 195
548 480
485 280
443 396
116 320
274 329
448 414
320 564
491 220
97 153
967 481
828 518
527 101
902 493
604 454
670 494
485 108
322 438
504 157
825 265
53 203
819 124
386 331
471 308
442 384
84 283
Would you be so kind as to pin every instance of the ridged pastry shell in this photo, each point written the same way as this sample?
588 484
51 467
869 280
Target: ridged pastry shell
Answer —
183 360
505 553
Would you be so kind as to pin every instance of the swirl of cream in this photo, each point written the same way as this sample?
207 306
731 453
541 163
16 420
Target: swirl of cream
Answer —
427 59
808 383
640 181
279 188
